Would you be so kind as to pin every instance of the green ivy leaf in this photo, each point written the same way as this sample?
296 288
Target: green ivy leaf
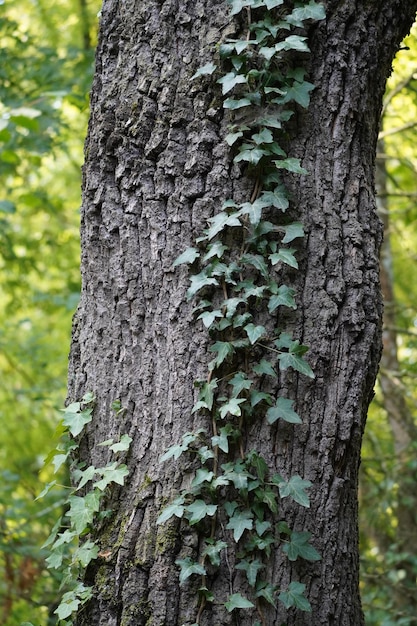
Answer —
250 154
82 510
294 596
123 445
255 332
224 349
296 488
188 256
75 419
188 568
86 553
251 569
198 281
300 93
299 546
222 439
239 522
293 231
231 407
233 104
291 165
213 549
220 221
208 317
311 11
285 255
288 359
231 138
198 509
206 70
267 592
176 508
264 367
277 198
113 473
237 601
283 410
202 475
283 297
229 80
240 382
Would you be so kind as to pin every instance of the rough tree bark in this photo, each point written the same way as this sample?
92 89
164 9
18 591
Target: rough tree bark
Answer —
156 169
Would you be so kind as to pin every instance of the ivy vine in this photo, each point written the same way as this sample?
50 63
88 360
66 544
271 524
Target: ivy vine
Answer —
236 277
70 544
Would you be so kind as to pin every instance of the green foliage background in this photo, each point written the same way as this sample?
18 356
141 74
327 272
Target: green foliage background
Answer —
46 64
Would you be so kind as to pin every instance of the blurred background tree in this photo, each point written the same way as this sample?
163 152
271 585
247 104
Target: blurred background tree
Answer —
46 64
389 465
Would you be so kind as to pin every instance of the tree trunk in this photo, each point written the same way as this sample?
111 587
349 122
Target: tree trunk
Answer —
157 168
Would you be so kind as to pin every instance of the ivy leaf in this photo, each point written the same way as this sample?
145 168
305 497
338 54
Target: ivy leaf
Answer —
229 80
259 396
271 4
202 475
288 359
300 93
188 568
250 154
277 198
264 136
262 527
220 221
293 42
85 475
198 281
222 440
251 569
264 367
213 549
293 231
291 165
237 601
206 70
254 332
239 382
283 297
233 104
231 138
231 407
296 488
75 419
299 546
266 591
283 410
188 256
239 522
198 509
82 510
223 349
311 11
285 255
86 553
294 596
257 261
176 508
215 249
122 445
208 317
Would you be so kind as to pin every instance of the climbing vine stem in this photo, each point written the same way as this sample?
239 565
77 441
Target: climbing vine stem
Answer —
236 270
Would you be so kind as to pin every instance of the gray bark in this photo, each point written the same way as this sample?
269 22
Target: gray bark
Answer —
156 169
